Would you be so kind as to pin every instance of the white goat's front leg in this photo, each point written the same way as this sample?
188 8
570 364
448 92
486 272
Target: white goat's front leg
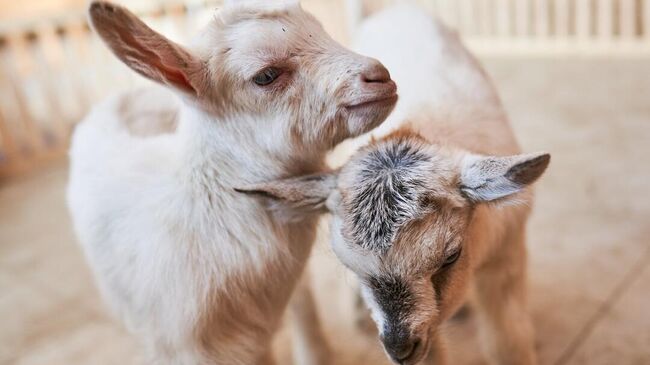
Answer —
506 329
310 346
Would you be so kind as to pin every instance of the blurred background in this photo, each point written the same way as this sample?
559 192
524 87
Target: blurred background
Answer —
574 76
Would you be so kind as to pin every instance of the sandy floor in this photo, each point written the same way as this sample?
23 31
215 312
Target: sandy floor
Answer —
589 260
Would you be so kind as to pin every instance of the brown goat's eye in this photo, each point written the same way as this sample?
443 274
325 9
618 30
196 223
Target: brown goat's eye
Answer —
266 76
451 259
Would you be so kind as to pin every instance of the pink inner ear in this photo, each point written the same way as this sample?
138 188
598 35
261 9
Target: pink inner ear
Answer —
155 58
175 77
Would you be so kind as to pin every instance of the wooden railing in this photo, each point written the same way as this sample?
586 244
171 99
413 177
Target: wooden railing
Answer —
52 70
550 27
619 28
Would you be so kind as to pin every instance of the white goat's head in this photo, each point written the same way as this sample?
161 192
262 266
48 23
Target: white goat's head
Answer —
402 211
260 66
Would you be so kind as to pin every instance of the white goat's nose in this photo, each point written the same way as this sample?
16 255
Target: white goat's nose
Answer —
375 73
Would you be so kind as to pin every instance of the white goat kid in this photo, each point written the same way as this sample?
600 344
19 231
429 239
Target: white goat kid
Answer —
200 272
439 203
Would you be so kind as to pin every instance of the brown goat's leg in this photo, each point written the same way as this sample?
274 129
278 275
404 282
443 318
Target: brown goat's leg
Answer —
506 329
310 347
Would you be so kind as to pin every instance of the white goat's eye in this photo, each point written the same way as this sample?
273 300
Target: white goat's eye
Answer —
451 259
266 76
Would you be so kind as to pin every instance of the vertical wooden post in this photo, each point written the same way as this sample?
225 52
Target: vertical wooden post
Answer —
23 69
466 17
646 20
583 19
502 18
522 18
49 58
627 19
562 20
78 58
542 19
605 20
484 14
7 143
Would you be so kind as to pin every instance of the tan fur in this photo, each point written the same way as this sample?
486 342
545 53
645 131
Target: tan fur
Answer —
491 236
441 179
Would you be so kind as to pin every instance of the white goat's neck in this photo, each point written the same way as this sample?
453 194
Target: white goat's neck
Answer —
233 152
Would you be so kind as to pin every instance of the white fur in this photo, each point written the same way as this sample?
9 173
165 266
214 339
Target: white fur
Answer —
201 272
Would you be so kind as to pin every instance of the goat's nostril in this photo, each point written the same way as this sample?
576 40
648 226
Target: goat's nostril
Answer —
375 73
404 351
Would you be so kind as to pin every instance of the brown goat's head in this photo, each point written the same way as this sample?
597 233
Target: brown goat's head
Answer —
402 210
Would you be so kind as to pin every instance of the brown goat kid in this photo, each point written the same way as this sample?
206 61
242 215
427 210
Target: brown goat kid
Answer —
436 206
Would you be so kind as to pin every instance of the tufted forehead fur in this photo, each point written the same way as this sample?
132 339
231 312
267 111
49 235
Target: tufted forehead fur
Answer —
393 183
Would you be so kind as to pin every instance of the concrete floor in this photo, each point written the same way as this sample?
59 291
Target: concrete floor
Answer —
589 251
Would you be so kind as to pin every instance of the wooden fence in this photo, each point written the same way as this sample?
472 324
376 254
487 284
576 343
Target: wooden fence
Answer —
52 70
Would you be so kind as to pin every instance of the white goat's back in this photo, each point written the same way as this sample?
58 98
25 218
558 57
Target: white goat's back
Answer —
441 86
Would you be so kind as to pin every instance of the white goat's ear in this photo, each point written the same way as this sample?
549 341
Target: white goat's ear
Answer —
491 178
145 51
294 197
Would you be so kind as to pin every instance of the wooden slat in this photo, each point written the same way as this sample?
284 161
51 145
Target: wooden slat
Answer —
451 10
75 58
646 20
627 19
8 146
605 20
583 19
485 16
522 18
562 20
542 19
49 57
502 10
467 19
21 70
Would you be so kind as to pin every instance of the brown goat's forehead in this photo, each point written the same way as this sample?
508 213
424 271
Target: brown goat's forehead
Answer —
423 244
388 185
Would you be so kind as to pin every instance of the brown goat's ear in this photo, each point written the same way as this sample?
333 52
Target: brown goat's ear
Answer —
493 178
294 198
145 51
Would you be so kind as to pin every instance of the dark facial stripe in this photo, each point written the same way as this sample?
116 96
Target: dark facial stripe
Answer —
395 299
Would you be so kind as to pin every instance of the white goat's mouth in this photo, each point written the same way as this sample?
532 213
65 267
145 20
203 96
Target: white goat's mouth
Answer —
376 102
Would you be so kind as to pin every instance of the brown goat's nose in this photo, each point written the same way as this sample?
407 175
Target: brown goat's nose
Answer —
375 73
402 350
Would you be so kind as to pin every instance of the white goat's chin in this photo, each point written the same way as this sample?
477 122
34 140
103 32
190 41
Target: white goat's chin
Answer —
366 116
374 103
